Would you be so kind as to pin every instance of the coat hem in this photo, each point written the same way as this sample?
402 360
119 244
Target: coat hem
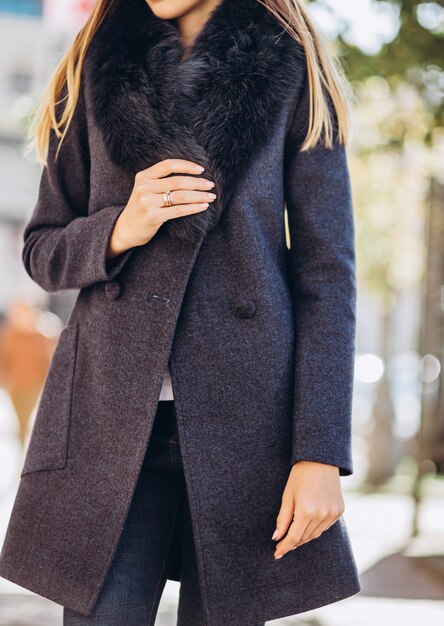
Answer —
263 617
35 588
310 605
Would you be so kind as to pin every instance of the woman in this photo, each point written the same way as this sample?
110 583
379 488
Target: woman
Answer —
155 100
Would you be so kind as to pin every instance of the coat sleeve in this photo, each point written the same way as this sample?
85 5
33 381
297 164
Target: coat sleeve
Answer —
63 246
322 278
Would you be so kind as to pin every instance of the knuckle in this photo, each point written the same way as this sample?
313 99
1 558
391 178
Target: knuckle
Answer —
336 510
323 512
320 512
147 210
167 165
149 219
181 181
140 194
174 182
150 200
147 183
308 511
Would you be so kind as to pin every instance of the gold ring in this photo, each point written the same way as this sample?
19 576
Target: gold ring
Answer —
167 199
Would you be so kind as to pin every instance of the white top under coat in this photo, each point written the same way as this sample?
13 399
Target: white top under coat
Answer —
166 393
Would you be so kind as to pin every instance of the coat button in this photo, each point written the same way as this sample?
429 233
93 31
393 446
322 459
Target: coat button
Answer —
113 289
246 309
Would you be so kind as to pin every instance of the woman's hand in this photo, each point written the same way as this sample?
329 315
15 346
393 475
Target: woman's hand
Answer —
145 211
312 502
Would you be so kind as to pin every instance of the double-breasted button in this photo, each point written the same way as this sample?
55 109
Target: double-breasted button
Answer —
113 289
245 309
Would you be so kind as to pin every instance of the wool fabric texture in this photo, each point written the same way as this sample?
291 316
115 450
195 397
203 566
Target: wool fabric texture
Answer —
259 337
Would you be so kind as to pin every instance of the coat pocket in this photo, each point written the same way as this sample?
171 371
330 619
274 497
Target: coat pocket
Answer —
48 443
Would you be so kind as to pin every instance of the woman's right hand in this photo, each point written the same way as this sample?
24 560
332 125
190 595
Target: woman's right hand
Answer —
145 212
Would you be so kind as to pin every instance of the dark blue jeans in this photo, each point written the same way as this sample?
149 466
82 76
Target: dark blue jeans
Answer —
158 524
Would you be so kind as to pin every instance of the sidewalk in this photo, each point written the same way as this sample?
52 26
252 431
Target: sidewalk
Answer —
403 580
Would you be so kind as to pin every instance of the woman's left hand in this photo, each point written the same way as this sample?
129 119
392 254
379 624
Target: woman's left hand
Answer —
312 502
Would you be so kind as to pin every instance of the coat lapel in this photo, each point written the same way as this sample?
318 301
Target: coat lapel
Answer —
216 108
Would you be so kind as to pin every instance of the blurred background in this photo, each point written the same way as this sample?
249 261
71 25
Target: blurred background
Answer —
392 51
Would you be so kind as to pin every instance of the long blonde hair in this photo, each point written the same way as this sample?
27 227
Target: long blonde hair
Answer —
324 72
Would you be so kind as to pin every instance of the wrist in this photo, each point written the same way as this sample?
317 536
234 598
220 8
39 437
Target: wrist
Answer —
117 243
317 465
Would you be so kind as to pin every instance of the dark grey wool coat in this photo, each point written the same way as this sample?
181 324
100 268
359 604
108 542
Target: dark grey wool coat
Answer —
259 337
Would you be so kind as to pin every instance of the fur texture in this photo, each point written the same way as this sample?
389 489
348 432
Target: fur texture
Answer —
216 108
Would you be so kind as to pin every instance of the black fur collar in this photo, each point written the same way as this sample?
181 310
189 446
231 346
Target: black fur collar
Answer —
216 108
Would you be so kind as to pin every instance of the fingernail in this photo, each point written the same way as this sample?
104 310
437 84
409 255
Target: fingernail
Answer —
200 168
275 534
204 205
209 184
279 557
212 196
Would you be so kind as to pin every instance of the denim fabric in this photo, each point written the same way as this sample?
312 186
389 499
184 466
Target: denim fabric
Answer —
158 524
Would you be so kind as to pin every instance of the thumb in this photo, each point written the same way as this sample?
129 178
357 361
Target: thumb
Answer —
284 518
